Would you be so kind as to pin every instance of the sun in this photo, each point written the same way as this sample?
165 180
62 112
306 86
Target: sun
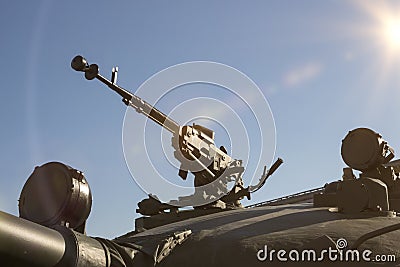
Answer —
378 26
391 33
383 26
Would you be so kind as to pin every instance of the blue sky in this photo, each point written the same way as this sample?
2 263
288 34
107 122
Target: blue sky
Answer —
326 67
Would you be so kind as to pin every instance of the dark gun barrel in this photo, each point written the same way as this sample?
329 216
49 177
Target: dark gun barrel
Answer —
25 243
91 71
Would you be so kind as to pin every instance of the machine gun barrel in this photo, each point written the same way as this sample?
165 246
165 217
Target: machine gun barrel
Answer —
92 71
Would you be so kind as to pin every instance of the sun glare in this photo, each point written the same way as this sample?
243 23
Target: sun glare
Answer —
384 29
379 28
392 33
385 26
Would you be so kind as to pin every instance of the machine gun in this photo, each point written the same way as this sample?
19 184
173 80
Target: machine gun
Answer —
194 144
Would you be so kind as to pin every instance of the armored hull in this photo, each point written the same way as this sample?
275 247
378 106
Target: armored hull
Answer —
248 237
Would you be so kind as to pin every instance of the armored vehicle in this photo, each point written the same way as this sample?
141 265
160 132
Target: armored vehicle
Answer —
349 222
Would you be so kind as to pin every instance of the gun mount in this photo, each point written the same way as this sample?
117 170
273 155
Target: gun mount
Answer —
194 147
377 189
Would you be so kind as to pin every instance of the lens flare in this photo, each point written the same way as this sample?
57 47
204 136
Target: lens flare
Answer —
384 25
392 32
